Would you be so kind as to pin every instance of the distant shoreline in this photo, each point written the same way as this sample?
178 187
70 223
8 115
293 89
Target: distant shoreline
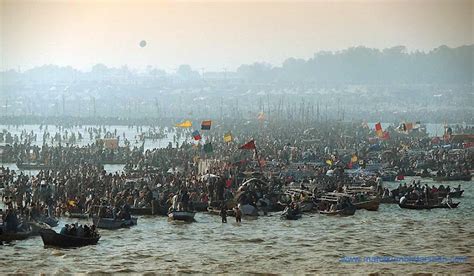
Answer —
170 121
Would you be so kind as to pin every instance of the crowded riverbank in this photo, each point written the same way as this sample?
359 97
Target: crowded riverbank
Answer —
261 170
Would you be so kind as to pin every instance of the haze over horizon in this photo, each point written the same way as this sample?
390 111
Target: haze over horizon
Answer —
212 36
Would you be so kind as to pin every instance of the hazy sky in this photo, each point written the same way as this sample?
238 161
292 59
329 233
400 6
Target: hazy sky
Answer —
220 34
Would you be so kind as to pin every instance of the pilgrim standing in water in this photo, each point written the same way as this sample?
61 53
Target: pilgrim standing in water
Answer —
224 213
238 215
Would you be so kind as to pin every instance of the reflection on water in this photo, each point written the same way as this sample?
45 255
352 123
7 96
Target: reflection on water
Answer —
313 244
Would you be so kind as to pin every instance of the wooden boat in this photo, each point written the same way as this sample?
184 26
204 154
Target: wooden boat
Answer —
334 198
112 224
453 178
182 215
51 238
249 210
10 236
76 215
145 211
369 205
306 206
454 194
428 207
153 210
289 214
37 227
51 221
344 212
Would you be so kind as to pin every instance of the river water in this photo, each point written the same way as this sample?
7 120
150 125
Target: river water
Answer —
313 244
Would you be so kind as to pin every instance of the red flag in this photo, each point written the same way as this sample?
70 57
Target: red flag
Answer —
196 135
249 145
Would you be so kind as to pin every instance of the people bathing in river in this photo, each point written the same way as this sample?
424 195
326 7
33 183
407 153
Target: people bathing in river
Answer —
238 214
223 213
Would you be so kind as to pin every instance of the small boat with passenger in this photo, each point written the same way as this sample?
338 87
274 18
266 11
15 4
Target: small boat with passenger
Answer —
336 204
51 238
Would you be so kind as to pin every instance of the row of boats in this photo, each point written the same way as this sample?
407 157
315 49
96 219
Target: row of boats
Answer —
331 204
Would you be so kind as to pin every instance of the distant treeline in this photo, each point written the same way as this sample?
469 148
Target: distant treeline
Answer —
361 65
357 65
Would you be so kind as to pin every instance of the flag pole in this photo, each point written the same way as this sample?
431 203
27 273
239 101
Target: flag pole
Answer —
258 160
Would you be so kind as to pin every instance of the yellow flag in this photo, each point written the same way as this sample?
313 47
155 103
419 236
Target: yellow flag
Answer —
329 162
354 158
228 137
185 124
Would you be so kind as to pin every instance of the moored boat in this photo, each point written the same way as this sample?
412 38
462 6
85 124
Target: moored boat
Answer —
336 204
453 194
112 224
37 227
248 210
428 207
182 215
51 238
291 214
369 205
12 236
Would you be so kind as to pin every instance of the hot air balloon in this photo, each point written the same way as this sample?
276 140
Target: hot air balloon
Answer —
142 43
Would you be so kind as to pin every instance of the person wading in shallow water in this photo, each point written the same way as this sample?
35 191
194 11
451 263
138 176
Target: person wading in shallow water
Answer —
224 213
238 214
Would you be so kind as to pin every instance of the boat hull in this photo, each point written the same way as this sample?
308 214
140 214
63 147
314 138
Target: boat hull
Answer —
343 212
112 224
428 207
8 237
51 238
370 205
182 215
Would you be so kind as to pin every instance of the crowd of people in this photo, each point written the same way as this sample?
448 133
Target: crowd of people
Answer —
79 230
326 158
